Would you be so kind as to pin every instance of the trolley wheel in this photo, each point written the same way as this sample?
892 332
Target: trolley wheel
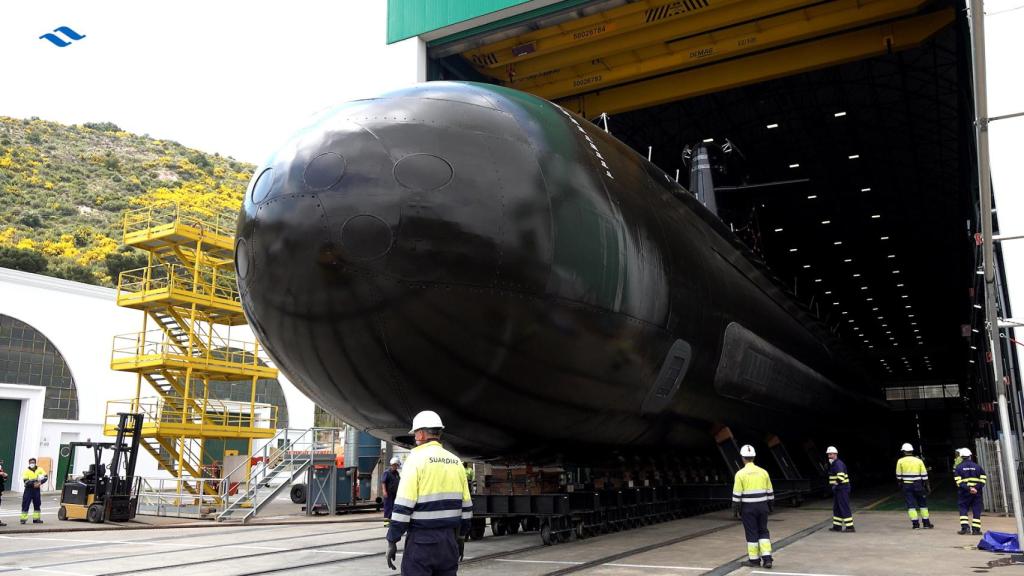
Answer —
498 526
545 534
298 494
62 513
95 514
580 531
513 526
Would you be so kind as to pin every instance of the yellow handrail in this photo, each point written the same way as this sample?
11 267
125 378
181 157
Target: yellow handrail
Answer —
166 213
202 413
156 344
200 281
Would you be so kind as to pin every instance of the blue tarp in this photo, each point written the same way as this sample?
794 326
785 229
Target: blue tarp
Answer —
999 542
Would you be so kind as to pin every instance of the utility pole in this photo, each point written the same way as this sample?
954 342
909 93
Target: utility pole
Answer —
981 120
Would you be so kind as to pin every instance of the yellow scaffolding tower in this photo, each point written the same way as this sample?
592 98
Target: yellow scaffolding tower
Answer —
191 302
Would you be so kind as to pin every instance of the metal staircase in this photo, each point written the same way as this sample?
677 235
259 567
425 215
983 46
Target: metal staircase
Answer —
190 300
282 460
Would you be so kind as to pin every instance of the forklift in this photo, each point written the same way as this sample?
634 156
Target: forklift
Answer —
104 494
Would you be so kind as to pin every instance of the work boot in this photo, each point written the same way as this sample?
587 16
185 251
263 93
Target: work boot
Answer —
23 520
836 528
964 530
928 523
915 524
976 531
851 529
2 524
766 562
37 521
753 562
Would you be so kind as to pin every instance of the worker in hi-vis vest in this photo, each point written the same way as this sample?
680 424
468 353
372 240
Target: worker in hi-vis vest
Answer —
33 478
433 508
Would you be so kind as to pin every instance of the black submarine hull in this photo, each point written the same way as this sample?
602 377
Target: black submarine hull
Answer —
483 253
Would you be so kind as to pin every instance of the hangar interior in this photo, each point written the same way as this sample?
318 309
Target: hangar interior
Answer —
843 154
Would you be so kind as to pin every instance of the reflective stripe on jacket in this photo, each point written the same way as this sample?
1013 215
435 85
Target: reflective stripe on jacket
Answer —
433 493
752 485
837 473
911 469
37 475
968 474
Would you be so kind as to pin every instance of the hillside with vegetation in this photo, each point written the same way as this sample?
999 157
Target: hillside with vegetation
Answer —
64 190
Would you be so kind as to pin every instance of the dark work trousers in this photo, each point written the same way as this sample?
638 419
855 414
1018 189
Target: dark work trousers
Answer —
430 553
755 527
30 496
389 505
969 503
841 513
916 501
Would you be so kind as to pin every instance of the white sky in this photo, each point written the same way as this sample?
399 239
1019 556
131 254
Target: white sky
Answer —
229 77
238 78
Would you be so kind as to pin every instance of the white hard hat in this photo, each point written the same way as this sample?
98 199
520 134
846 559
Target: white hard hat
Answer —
831 450
907 447
747 451
396 460
426 419
965 452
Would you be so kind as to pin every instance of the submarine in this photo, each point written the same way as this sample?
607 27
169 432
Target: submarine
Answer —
482 252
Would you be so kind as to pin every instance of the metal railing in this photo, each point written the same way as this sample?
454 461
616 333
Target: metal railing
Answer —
278 463
170 213
214 350
201 412
171 497
209 282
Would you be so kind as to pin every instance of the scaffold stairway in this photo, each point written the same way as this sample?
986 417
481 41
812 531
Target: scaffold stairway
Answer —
186 292
274 469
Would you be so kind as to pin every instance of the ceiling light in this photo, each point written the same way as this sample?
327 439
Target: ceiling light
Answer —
778 229
826 221
881 318
848 260
869 299
794 165
975 330
857 275
770 126
863 287
971 361
895 271
891 256
850 320
884 238
835 303
888 331
978 306
807 265
706 140
792 249
910 315
918 337
839 114
876 216
837 243
872 346
845 312
812 196
979 272
827 292
875 309
817 279
899 285
885 325
915 330
904 296
865 189
974 347
854 156
907 306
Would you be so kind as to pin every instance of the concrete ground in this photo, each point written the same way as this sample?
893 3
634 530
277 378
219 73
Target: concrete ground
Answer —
710 544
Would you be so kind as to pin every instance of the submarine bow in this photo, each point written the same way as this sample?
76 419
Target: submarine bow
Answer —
484 253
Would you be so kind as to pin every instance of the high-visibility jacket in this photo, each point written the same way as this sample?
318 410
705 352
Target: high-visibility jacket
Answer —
911 470
969 474
837 473
752 485
30 476
957 461
433 493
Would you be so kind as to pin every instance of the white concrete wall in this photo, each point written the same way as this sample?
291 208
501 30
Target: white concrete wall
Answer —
81 322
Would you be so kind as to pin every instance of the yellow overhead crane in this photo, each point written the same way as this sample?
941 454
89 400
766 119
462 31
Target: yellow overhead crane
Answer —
650 52
191 301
